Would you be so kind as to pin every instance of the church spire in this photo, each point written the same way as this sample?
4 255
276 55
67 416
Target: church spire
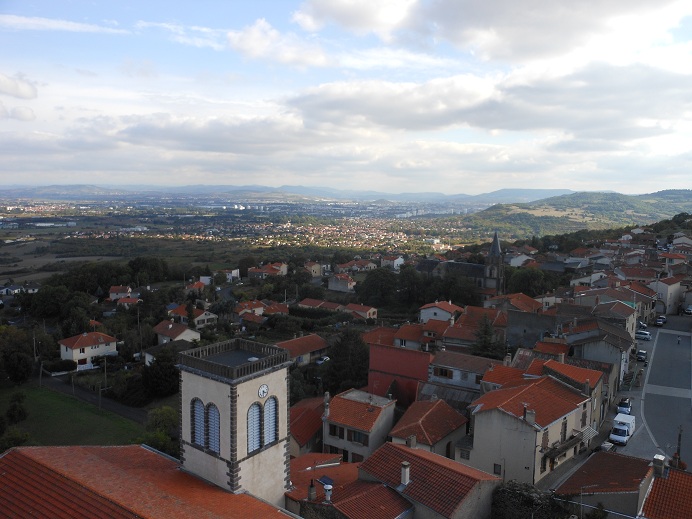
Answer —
495 249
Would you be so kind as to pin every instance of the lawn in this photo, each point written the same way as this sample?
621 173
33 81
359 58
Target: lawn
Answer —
57 419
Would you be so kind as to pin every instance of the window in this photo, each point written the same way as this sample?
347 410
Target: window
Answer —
335 430
465 454
563 432
213 429
356 458
443 372
254 430
197 422
81 350
358 437
270 421
464 375
497 469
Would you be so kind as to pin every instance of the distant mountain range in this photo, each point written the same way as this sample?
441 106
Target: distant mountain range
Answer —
254 192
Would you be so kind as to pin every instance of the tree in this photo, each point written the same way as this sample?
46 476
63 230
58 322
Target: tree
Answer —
529 281
18 365
513 500
349 363
161 378
486 344
411 286
378 288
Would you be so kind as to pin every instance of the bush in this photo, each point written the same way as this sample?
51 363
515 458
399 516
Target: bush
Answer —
16 413
59 366
13 438
18 397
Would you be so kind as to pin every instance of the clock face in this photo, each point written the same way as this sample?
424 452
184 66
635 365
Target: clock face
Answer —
263 390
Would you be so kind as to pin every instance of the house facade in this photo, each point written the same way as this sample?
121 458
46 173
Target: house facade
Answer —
85 347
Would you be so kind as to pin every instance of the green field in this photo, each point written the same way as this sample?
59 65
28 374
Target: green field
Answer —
57 419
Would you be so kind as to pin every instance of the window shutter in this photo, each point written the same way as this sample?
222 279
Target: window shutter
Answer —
197 422
253 428
214 425
270 421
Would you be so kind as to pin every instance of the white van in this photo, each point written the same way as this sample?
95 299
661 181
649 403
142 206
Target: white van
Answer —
623 428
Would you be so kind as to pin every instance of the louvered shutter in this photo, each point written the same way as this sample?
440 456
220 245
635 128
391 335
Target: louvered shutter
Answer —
270 421
253 428
198 422
214 425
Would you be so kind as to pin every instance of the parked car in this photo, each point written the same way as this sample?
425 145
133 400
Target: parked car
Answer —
321 360
641 325
641 356
660 321
665 319
688 309
642 335
625 406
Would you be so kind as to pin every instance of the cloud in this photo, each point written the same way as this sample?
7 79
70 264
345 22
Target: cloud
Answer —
139 69
262 41
381 17
17 86
22 113
28 23
194 36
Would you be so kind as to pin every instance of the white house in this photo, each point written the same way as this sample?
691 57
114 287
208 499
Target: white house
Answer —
83 348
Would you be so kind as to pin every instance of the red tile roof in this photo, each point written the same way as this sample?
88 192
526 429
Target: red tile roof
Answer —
171 329
575 373
606 472
499 374
381 335
443 305
303 345
114 482
670 497
86 339
313 466
306 419
436 482
430 421
550 399
551 348
354 413
365 500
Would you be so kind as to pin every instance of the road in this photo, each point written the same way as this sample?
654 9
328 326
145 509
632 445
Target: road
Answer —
665 400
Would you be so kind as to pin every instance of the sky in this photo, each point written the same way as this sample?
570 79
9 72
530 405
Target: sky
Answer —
398 96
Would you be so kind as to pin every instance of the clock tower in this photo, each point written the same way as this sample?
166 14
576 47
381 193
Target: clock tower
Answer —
234 417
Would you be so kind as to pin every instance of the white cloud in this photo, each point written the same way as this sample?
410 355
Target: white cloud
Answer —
22 113
17 86
194 36
27 23
261 40
381 17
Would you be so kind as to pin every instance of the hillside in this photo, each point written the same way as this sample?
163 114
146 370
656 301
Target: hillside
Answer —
570 213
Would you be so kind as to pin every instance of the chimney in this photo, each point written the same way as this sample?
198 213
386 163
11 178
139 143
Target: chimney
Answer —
411 441
327 493
529 416
659 464
561 358
508 360
312 492
405 473
587 387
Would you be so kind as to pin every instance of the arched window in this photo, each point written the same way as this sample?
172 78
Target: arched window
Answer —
270 421
213 429
254 428
197 421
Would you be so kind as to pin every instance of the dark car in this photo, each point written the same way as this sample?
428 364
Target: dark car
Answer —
660 321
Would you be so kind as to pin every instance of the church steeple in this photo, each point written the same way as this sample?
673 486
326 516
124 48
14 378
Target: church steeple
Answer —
495 267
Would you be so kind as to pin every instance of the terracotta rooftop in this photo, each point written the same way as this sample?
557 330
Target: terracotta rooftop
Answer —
317 466
443 305
366 500
381 335
86 339
670 496
357 409
430 421
436 482
549 398
575 373
607 472
303 345
306 419
551 348
502 374
114 482
463 361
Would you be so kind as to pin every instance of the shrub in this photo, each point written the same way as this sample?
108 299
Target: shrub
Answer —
13 438
59 366
16 413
